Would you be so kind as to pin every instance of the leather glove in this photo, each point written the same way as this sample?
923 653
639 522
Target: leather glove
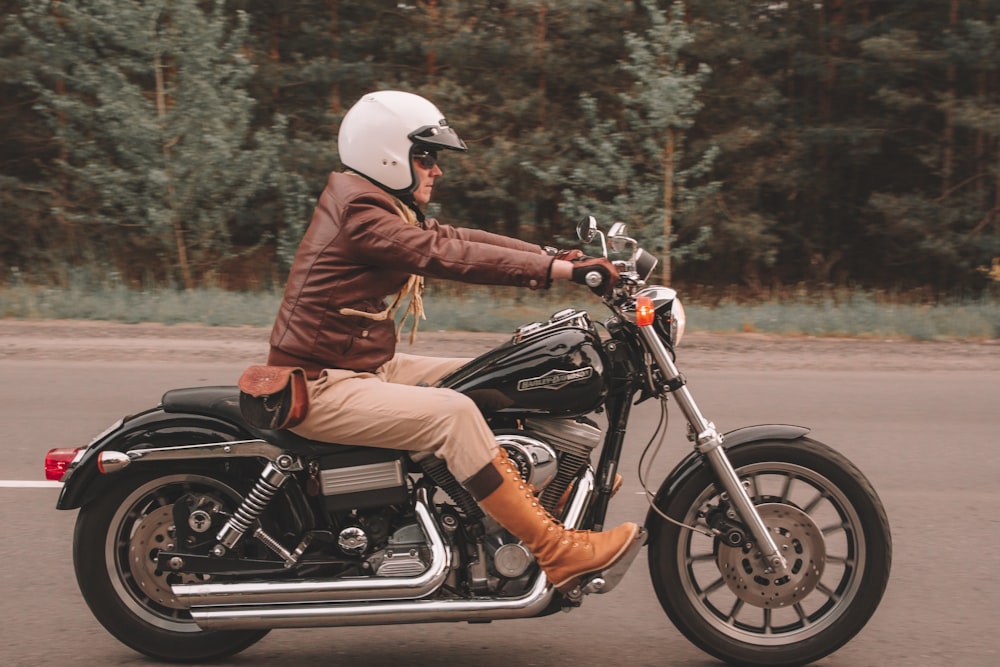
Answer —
584 267
569 255
566 255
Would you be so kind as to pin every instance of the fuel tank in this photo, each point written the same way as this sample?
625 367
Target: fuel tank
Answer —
555 368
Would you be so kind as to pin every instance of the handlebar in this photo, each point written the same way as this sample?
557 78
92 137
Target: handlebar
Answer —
633 272
593 279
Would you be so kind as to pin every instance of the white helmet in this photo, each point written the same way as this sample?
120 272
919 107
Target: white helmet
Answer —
380 132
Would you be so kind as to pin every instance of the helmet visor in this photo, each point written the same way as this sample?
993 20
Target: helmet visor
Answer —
434 137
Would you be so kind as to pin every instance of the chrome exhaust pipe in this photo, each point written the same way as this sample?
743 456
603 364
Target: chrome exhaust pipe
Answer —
259 617
332 590
302 605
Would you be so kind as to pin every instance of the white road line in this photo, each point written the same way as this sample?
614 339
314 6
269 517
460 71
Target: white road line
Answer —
24 484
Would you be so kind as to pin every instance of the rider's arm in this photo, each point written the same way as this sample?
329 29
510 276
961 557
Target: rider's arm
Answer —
479 236
561 270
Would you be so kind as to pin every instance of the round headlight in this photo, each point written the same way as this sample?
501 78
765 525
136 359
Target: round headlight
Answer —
680 320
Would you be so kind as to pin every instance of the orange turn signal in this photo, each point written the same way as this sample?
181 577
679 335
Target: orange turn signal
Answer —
644 311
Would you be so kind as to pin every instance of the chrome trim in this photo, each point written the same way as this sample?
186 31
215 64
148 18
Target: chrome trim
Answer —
113 461
375 613
581 498
387 612
109 462
571 436
331 590
542 460
709 443
367 477
209 450
578 319
270 481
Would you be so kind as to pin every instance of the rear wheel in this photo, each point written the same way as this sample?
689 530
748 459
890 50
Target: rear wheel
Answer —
115 547
828 523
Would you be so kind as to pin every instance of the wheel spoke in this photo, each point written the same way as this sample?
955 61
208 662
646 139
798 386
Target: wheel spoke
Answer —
786 488
825 590
712 587
735 611
811 505
701 558
834 528
803 617
840 560
754 489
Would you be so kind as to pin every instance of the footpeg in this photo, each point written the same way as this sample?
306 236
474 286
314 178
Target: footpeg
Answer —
606 581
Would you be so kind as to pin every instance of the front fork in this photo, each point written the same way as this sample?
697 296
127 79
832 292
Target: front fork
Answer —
708 442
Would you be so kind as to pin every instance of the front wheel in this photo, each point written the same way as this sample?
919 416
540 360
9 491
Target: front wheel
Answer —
828 523
115 547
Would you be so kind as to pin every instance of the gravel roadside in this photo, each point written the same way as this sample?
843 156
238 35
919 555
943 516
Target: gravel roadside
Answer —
72 341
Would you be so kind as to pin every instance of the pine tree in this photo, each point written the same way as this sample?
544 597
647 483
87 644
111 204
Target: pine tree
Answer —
631 166
747 119
28 239
509 75
940 63
148 105
857 141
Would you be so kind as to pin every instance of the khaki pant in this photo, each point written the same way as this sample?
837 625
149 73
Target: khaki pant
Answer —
387 409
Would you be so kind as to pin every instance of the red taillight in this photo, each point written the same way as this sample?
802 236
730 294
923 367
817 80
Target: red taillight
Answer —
57 462
644 311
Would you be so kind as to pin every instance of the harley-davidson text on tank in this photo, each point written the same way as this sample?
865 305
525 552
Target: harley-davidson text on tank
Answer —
555 379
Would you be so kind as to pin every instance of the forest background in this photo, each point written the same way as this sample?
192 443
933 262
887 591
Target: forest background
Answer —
756 146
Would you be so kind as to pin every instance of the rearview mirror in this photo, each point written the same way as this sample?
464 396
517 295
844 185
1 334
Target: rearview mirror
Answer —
619 241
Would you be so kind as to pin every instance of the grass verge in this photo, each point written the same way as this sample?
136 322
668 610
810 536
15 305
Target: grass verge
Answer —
855 314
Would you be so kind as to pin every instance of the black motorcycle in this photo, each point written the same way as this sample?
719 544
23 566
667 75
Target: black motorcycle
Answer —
198 533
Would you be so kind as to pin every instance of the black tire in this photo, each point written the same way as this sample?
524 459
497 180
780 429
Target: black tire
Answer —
833 530
114 548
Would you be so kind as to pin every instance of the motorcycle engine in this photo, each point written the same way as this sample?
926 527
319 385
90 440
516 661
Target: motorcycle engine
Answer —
549 453
536 461
362 477
405 555
571 440
388 546
362 486
548 446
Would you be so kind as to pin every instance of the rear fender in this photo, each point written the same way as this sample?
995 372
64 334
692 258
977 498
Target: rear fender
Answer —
155 428
694 461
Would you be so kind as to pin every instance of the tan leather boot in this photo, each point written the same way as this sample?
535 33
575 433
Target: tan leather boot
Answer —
563 554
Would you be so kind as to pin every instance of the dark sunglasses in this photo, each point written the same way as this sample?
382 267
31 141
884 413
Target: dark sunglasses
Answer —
426 159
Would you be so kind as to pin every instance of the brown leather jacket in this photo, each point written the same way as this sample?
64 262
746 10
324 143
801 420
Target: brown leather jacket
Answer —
357 251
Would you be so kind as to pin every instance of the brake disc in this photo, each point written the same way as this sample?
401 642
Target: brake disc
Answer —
152 534
799 541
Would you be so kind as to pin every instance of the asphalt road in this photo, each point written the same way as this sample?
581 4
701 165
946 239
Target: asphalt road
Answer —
919 419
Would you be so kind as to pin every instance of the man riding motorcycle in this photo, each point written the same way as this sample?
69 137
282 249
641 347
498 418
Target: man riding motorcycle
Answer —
368 239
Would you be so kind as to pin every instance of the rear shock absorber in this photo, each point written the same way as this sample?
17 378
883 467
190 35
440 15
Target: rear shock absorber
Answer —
271 479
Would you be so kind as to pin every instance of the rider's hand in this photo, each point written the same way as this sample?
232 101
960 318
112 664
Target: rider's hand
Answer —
586 266
563 255
569 255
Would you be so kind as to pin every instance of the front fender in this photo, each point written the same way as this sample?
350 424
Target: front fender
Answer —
154 427
694 461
